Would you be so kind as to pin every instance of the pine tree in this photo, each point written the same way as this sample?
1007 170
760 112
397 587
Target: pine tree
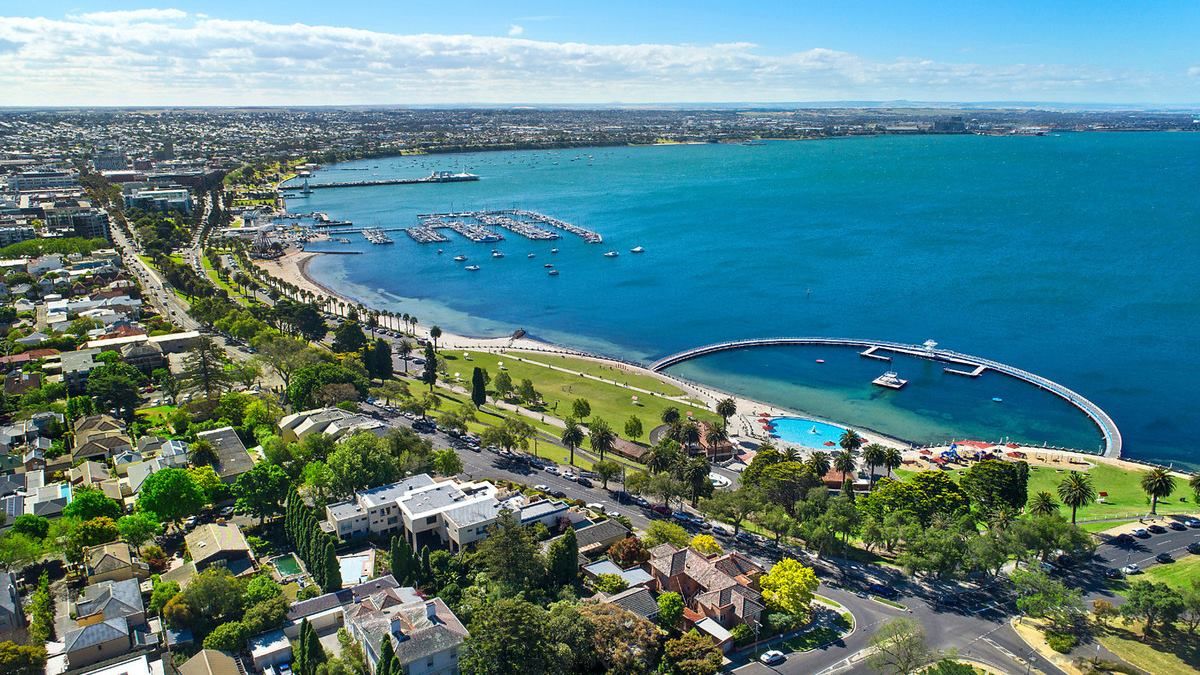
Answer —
333 573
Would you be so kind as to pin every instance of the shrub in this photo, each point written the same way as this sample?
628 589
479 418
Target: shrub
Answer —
610 583
782 622
742 634
1061 642
228 637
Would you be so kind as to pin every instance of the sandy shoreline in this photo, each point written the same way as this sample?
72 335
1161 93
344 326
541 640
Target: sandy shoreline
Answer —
292 268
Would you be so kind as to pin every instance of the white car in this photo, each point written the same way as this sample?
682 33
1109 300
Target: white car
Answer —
541 487
772 657
551 469
1130 569
569 476
596 506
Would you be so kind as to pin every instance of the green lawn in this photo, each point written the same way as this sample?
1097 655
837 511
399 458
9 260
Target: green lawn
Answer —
1156 655
612 402
216 280
1125 498
1179 574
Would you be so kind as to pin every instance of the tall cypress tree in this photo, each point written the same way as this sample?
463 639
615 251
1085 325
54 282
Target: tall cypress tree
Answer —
333 572
426 574
404 568
314 654
386 655
301 652
478 388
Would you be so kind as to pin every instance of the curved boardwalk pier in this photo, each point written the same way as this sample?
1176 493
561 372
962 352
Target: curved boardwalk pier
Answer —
1112 435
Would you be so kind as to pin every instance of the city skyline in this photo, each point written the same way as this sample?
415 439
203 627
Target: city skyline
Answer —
187 53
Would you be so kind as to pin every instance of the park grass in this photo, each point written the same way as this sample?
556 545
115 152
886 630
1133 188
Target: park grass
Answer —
1125 499
811 640
156 415
611 402
1179 574
223 285
1158 653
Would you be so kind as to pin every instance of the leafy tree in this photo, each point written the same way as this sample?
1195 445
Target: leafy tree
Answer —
137 529
96 531
447 462
693 654
1042 536
348 337
581 409
41 612
562 560
624 642
115 387
1043 597
610 584
17 550
1104 611
284 355
789 586
1190 615
31 525
706 545
1153 603
18 659
628 551
1076 490
606 471
1157 484
203 453
670 609
333 572
733 506
228 637
261 588
900 648
171 495
163 592
924 495
377 359
478 387
633 427
213 597
991 484
308 380
509 637
261 490
662 532
503 385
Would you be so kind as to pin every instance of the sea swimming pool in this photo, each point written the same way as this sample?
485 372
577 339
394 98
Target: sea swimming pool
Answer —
808 433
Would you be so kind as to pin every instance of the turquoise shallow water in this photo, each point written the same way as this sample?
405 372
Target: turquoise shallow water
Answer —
1073 256
808 433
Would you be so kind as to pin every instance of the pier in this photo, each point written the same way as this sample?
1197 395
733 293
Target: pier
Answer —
480 226
435 177
1112 435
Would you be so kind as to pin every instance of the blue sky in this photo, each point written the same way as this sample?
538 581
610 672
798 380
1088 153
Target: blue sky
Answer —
223 52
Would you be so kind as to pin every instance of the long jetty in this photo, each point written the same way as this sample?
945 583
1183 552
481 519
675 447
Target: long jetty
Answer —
1108 428
436 177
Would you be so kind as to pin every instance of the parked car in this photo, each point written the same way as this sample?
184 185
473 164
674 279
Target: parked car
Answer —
1112 573
1193 522
1158 529
1176 525
682 518
558 494
542 487
595 506
661 509
884 591
553 470
722 531
1125 539
584 482
1131 569
1141 533
772 657
1164 558
1194 548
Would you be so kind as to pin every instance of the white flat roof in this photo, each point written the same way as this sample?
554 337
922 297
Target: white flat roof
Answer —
138 665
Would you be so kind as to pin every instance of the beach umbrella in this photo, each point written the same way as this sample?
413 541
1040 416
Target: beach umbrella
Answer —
830 443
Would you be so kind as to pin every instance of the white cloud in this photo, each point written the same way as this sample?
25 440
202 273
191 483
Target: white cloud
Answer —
1194 71
169 57
515 30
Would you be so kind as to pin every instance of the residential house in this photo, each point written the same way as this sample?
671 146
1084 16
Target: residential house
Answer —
216 544
721 449
636 599
12 618
108 615
114 561
723 588
270 650
210 662
425 635
19 383
232 458
333 422
324 612
145 356
76 366
99 437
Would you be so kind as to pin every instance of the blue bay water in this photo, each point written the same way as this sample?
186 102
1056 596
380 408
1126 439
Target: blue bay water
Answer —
1074 256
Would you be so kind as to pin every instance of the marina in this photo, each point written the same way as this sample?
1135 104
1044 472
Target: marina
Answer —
481 226
376 236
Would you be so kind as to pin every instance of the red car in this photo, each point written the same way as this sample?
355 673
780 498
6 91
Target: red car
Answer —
662 510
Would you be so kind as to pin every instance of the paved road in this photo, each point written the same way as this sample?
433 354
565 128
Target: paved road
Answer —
1111 553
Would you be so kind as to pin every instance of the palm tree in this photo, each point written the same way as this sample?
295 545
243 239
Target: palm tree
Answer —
689 434
726 408
892 459
790 453
819 462
1194 483
662 456
572 436
874 455
602 436
670 415
1042 504
695 477
404 349
1076 490
202 453
715 435
844 462
851 440
435 333
1158 483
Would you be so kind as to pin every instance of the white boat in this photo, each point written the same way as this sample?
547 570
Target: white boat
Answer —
553 273
890 380
637 249
472 268
548 265
529 256
554 250
611 254
459 258
497 254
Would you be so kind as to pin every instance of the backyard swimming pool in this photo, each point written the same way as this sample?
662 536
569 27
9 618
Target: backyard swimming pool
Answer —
808 433
286 565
